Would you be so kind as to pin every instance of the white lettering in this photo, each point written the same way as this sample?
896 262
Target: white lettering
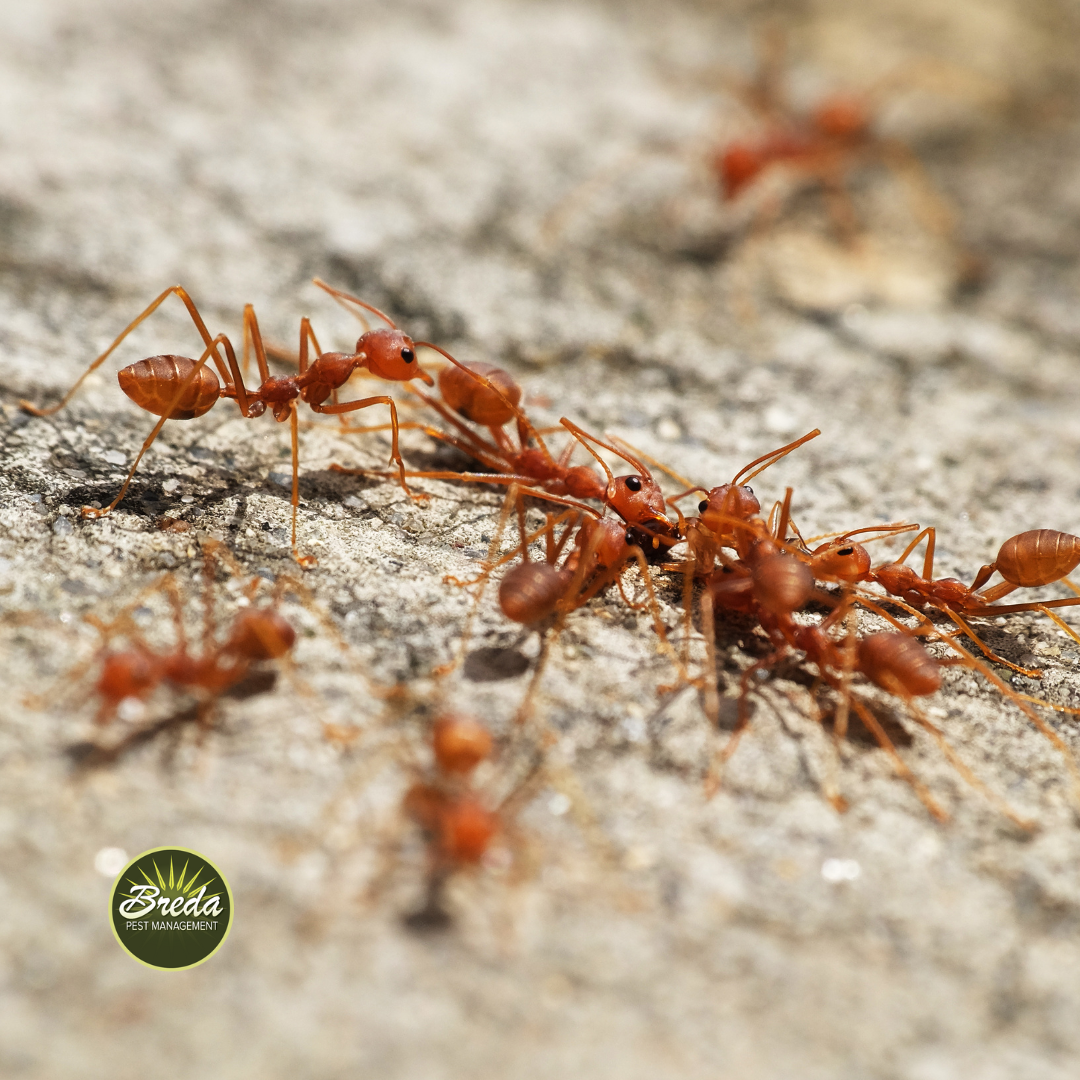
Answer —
176 906
192 906
211 907
131 909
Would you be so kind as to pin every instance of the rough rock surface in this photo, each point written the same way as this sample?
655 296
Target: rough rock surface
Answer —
523 183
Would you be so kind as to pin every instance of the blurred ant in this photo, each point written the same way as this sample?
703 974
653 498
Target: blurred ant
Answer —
179 388
459 821
824 144
220 665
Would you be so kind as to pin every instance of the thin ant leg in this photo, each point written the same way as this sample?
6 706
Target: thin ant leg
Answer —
966 659
879 733
307 561
742 723
964 770
94 512
193 311
395 454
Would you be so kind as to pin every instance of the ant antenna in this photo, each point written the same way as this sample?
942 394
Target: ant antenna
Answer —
343 297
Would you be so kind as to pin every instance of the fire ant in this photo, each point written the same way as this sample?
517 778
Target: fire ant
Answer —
541 594
129 676
823 144
179 388
489 396
459 822
1028 560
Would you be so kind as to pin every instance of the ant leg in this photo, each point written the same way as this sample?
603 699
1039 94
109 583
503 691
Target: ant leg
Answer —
962 768
395 455
711 695
722 756
306 561
489 565
879 733
985 649
94 512
193 311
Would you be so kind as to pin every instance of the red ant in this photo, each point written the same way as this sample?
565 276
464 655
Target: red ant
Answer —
179 388
458 821
770 582
823 144
489 396
129 676
532 593
1029 560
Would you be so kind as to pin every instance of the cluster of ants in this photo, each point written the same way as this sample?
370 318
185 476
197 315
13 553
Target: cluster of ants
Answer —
803 598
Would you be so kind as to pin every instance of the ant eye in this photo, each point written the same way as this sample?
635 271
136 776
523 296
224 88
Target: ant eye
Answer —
633 483
628 539
703 506
408 355
748 489
846 551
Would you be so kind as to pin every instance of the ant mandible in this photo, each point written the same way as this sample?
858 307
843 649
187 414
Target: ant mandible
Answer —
179 388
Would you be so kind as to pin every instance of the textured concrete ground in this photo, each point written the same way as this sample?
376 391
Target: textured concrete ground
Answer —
432 158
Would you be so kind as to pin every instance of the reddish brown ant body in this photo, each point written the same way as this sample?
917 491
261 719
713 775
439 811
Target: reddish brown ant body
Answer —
221 664
179 388
489 396
458 822
1027 560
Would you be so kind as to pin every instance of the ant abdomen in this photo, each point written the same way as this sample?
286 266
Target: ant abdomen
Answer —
532 591
782 584
1038 557
152 384
131 673
469 397
898 663
465 830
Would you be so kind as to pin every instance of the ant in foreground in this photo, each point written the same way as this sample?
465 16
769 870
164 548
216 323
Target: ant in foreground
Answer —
179 388
490 397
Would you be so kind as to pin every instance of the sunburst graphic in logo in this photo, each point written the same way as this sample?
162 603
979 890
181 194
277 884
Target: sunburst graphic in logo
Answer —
167 919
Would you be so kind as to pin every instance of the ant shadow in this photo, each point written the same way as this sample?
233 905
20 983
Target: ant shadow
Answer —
87 755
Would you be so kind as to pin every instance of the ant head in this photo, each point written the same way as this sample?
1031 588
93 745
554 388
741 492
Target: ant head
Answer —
638 500
840 560
482 393
460 744
841 118
732 501
738 166
391 355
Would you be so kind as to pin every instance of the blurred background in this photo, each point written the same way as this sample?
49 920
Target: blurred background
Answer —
536 184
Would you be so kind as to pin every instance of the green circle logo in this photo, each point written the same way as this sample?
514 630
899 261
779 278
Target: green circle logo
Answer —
171 908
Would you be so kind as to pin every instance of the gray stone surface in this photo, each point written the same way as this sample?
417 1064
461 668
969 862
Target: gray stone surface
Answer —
431 157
